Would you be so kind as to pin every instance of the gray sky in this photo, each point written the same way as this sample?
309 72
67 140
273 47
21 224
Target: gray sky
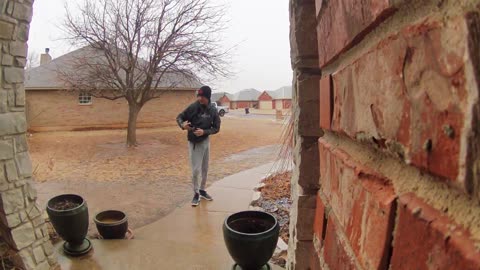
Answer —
259 27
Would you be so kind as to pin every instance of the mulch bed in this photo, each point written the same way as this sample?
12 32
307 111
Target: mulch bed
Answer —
276 200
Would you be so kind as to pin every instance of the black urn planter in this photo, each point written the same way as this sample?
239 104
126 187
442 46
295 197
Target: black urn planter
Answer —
112 224
69 216
251 238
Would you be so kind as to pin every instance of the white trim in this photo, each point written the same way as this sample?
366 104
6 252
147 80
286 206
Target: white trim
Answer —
85 97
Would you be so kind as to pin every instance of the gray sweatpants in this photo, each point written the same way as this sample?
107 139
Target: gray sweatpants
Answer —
199 154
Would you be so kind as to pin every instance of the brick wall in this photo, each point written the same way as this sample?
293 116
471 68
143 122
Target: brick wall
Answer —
399 160
286 103
224 101
59 110
23 233
243 104
264 97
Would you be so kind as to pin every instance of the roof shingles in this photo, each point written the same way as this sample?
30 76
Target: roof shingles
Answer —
47 76
281 93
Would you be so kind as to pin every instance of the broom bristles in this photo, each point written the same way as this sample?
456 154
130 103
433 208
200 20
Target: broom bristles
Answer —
284 158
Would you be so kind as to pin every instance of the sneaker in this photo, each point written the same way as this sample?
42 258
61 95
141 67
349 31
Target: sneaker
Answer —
196 200
204 195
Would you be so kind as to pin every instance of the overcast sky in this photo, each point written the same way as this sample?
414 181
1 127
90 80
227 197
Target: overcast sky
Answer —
259 27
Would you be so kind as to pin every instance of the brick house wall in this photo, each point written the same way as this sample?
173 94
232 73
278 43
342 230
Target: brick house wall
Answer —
59 110
224 101
264 97
391 181
243 104
283 103
265 101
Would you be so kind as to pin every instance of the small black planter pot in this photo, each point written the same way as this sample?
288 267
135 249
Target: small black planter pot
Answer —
71 224
112 224
251 238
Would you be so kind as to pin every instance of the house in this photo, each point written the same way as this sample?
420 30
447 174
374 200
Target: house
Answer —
222 98
51 105
247 98
280 99
265 101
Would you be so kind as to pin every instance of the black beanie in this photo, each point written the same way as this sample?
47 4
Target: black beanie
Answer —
205 91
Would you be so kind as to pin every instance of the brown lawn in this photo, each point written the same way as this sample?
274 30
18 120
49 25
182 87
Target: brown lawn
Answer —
148 181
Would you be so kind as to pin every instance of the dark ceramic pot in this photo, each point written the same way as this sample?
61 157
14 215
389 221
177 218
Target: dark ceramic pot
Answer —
112 224
251 238
71 224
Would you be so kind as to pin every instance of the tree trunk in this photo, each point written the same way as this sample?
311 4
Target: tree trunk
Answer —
133 110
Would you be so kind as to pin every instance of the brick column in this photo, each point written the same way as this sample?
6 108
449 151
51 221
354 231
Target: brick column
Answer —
305 180
22 224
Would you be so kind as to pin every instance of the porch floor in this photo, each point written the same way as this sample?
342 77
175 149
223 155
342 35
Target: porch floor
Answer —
188 238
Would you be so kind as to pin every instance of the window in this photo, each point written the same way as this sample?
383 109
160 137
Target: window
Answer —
84 99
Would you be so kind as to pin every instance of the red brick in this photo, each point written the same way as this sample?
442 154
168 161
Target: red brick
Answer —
326 105
265 97
243 104
411 90
363 202
335 253
342 23
319 223
378 220
224 100
425 239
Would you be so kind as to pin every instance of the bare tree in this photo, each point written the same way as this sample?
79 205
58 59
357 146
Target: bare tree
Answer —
33 60
141 48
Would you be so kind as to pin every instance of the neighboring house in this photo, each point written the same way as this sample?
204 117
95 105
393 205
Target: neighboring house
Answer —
265 101
282 98
222 99
50 106
247 98
279 99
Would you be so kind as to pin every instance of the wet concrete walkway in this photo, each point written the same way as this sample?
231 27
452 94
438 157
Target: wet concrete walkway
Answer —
188 238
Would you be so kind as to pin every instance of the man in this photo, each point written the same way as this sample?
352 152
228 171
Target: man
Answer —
201 120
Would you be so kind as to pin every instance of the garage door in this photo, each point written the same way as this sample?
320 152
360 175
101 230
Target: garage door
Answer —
278 104
265 105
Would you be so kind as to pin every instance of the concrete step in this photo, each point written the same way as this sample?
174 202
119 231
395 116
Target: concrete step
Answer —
150 255
188 238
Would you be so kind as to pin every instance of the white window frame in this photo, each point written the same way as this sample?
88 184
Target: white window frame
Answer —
84 99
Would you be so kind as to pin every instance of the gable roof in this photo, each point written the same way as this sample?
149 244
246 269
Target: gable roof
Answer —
219 95
247 95
281 93
46 77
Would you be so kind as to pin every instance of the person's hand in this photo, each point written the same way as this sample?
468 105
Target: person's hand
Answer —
186 125
199 132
